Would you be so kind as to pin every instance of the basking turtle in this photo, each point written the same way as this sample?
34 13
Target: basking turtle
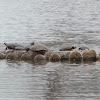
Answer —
14 46
10 46
27 48
67 47
83 48
39 48
20 47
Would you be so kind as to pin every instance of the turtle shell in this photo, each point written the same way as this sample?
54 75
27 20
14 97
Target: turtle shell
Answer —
14 46
83 48
19 47
27 48
10 45
40 48
67 47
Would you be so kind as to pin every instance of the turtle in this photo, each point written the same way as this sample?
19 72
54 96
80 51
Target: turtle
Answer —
20 47
83 48
14 46
67 47
27 48
39 48
10 46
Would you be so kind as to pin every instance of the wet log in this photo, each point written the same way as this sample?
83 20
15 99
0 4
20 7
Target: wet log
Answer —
89 55
85 55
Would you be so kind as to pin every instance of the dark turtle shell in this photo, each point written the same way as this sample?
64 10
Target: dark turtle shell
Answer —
40 48
83 48
67 47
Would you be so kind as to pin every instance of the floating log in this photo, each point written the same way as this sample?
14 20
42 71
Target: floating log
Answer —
15 55
64 55
26 56
86 55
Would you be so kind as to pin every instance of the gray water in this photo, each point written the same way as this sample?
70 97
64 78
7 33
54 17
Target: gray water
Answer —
52 22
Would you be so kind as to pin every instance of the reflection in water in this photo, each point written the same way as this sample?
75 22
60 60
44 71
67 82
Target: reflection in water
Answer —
71 83
53 81
54 87
89 62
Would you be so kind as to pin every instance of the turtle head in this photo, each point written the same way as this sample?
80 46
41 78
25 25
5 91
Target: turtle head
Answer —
79 48
73 47
32 43
5 44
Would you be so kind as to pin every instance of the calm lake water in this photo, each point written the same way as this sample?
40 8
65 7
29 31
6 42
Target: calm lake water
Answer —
52 22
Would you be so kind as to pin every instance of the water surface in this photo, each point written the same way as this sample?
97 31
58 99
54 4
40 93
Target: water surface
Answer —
51 22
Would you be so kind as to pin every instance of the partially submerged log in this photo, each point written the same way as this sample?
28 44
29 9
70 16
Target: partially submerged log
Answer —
39 57
15 55
55 57
75 56
64 55
86 55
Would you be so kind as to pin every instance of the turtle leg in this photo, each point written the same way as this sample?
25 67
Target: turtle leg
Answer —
40 52
27 49
6 48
